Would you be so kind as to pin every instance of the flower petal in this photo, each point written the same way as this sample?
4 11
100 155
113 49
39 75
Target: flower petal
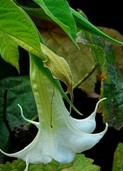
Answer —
38 151
78 143
69 143
28 120
88 124
63 155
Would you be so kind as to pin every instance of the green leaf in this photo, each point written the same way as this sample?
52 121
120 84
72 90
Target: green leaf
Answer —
16 25
80 163
83 23
117 48
13 91
59 11
33 10
4 135
16 165
118 158
112 89
9 50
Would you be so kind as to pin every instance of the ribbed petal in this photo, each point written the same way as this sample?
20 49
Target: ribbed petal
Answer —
80 143
69 142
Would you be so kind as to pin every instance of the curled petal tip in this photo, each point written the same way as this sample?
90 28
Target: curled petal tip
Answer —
106 126
27 120
105 130
3 152
98 104
103 99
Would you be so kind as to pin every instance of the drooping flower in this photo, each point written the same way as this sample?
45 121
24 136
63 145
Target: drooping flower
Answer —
59 136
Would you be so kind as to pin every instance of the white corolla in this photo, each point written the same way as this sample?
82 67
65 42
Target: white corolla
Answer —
59 136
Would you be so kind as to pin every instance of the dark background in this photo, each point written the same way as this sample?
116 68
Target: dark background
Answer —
102 13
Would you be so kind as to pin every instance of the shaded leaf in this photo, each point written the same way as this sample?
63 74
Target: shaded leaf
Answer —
112 89
118 158
103 51
8 69
4 136
13 91
118 49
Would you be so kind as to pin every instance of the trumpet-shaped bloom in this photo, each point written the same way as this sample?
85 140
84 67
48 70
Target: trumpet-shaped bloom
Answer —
59 136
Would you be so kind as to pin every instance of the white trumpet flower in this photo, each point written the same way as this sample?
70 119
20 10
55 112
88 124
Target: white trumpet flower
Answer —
59 136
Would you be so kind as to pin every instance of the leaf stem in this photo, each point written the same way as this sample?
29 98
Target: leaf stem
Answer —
84 78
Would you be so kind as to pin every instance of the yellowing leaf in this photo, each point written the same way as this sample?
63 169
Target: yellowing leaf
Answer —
58 66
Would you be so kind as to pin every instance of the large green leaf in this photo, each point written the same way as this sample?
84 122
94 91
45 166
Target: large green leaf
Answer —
59 11
9 50
13 91
16 25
